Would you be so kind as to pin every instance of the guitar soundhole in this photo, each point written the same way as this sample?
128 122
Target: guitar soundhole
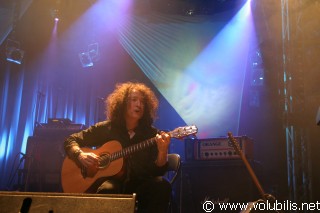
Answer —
104 160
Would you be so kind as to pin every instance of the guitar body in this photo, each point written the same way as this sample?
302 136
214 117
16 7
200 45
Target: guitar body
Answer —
72 179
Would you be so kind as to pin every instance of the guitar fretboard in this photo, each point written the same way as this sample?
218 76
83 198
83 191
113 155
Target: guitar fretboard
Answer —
132 149
177 133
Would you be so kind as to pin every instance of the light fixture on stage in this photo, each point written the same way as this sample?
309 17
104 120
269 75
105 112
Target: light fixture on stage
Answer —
85 59
92 55
257 68
55 14
13 52
93 50
257 77
190 12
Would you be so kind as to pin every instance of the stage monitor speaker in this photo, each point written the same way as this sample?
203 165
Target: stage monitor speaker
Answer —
13 202
225 181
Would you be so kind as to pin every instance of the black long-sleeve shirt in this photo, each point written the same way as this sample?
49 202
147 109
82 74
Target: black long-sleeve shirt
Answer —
140 165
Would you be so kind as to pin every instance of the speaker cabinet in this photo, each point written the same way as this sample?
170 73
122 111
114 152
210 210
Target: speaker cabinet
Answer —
216 181
42 168
12 202
45 154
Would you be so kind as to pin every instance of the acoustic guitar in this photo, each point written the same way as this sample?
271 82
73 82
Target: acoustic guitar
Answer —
75 178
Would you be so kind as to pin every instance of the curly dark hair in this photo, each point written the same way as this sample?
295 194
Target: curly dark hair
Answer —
116 103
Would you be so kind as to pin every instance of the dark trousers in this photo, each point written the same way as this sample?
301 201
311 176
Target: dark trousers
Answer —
153 195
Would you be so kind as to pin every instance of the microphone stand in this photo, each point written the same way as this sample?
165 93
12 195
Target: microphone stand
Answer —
16 171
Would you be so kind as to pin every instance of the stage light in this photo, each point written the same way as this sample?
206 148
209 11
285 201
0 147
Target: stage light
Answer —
257 76
85 59
257 68
190 12
13 52
93 50
55 14
91 55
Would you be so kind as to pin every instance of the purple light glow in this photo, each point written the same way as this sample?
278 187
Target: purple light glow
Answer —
209 91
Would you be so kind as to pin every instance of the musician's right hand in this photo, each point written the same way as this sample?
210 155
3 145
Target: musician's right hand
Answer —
88 159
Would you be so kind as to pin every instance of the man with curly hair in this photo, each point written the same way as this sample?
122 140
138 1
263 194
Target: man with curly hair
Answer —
131 110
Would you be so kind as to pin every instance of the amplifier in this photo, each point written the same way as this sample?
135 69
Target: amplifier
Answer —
216 181
217 148
56 129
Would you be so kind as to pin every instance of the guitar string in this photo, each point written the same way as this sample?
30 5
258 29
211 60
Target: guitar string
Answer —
103 159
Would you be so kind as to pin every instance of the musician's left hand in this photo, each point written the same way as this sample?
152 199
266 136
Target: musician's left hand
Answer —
163 141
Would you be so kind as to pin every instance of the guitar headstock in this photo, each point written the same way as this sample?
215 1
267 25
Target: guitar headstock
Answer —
234 143
182 132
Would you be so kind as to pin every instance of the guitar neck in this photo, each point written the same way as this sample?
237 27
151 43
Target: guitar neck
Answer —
249 168
132 149
179 132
